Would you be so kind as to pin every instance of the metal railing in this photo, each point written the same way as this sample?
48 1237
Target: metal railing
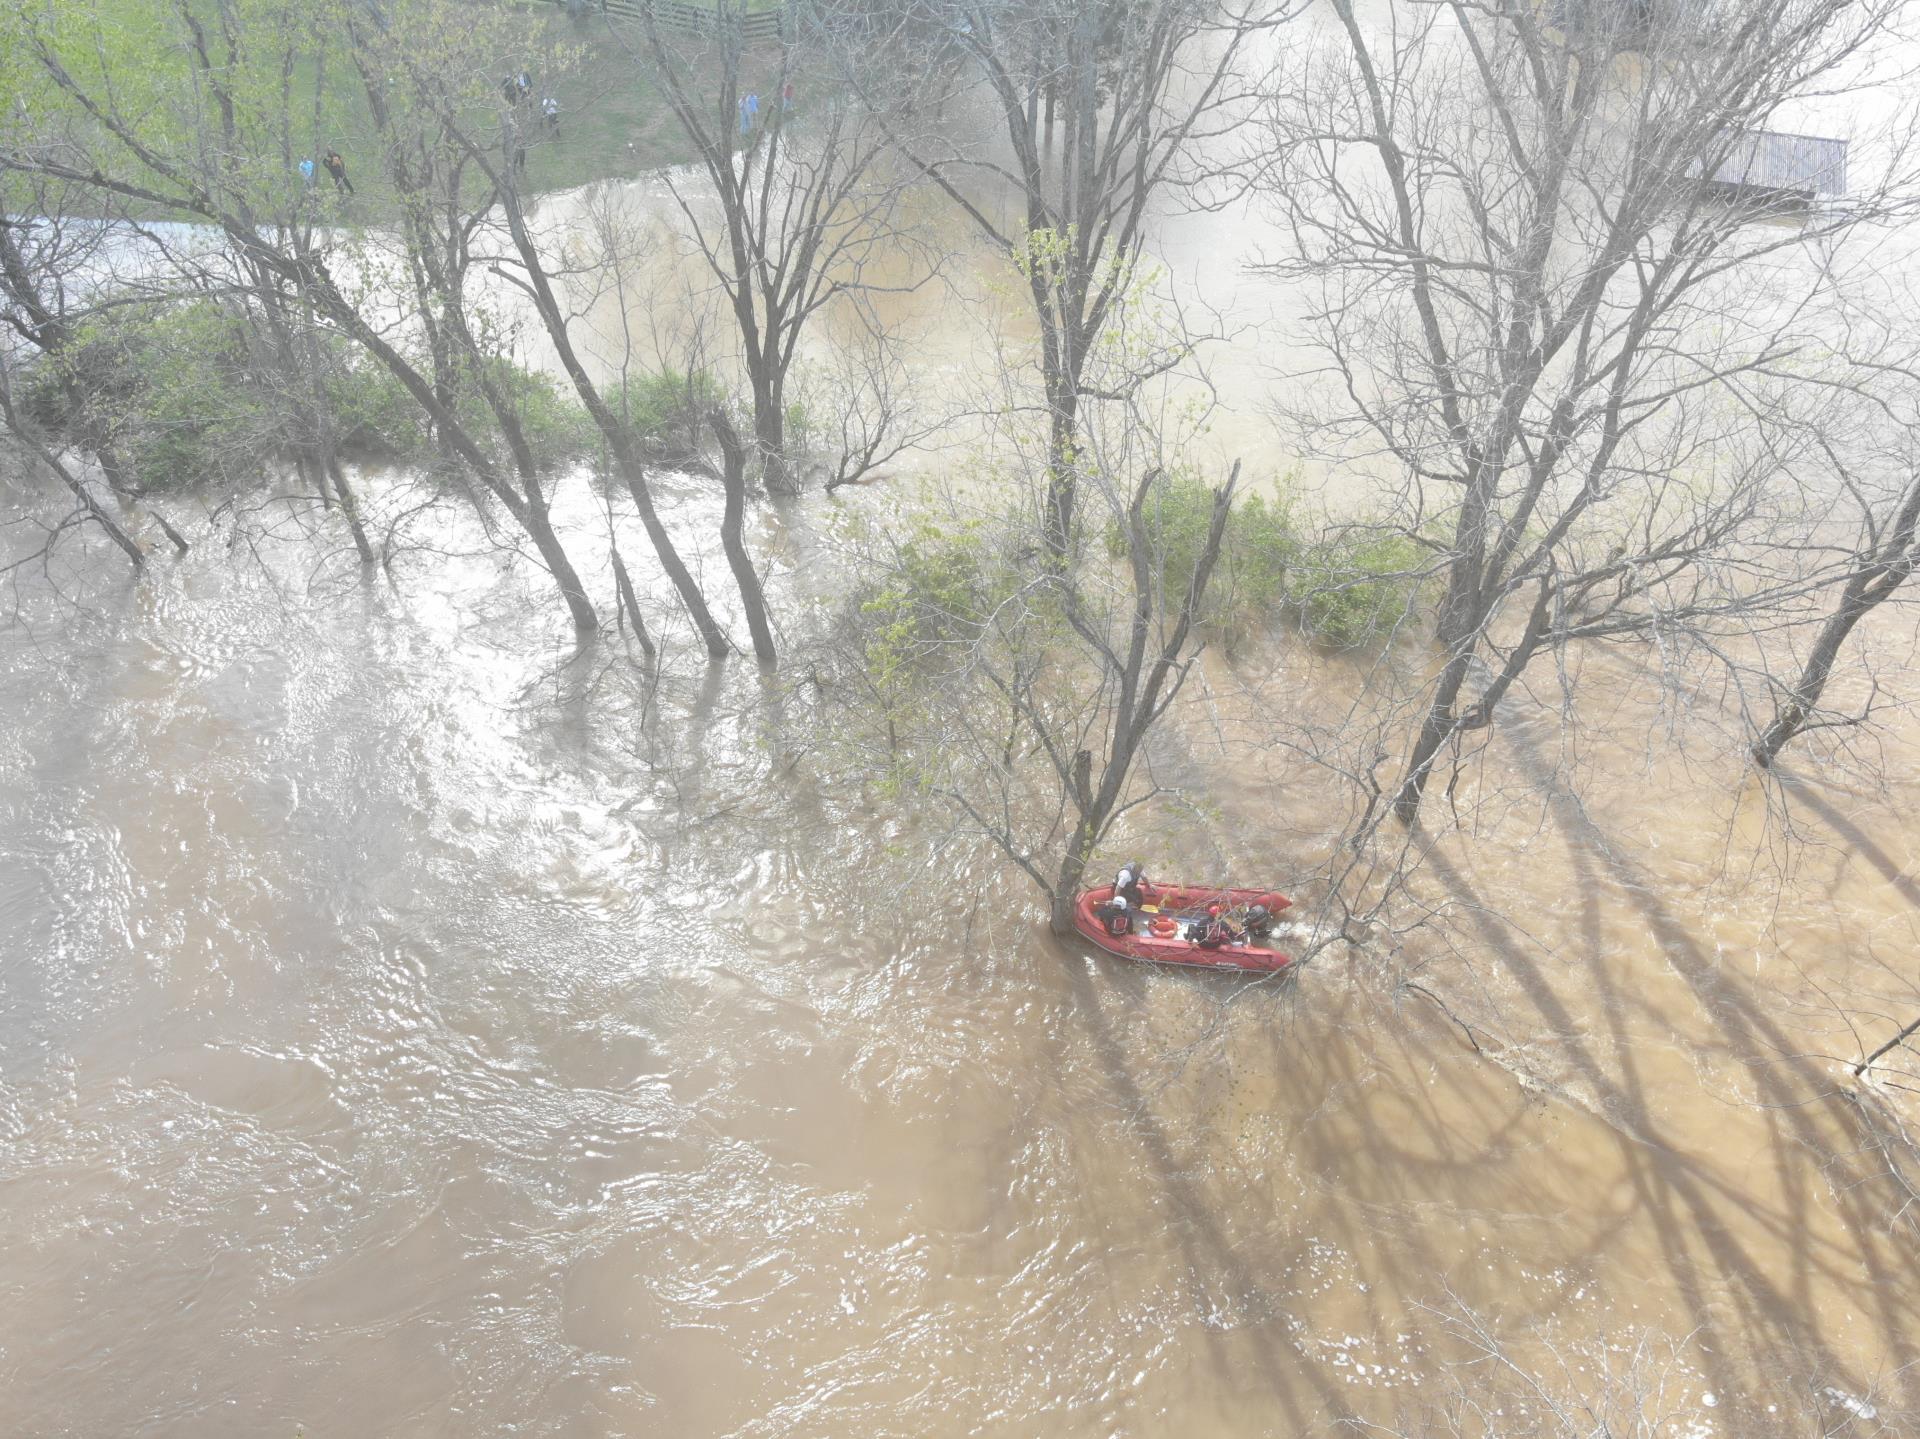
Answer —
1777 163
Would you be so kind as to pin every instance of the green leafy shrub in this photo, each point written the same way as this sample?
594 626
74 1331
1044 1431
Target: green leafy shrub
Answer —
1351 589
373 413
798 429
557 427
663 403
937 589
167 386
1258 550
1346 587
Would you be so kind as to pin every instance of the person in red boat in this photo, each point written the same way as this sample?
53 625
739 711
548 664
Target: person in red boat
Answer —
1259 924
1131 883
1117 915
1213 932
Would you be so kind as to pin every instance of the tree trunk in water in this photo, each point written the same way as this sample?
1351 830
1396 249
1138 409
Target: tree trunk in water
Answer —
1066 889
734 475
770 438
711 634
1435 730
629 602
613 428
305 466
179 540
1864 1065
1792 716
585 621
350 507
135 556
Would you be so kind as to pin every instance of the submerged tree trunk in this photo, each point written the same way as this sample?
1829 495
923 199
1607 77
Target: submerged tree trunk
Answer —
1893 562
629 601
1073 864
349 504
178 540
94 510
1804 698
752 597
613 428
1435 730
1901 1038
770 435
554 556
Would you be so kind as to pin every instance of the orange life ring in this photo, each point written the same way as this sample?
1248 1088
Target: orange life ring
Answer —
1162 927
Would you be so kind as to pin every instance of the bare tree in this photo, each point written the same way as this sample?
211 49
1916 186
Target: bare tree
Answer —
1870 466
1887 558
867 414
807 211
733 474
28 437
1025 712
1140 93
1023 692
226 55
45 300
180 157
532 273
1536 315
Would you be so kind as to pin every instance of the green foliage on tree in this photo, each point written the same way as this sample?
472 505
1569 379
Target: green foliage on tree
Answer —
1344 585
557 427
661 403
1352 588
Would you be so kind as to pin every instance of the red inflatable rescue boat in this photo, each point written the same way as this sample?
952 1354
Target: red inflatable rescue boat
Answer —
1164 927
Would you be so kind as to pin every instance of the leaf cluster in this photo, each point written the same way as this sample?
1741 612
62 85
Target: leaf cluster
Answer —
1344 586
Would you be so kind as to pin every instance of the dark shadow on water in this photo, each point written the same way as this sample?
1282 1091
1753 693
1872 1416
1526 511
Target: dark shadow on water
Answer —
1770 1291
1218 1278
1857 839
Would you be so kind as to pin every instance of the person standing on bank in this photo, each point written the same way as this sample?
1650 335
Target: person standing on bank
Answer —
337 168
514 147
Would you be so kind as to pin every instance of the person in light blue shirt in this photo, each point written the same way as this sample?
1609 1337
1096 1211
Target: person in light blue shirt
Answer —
753 111
306 172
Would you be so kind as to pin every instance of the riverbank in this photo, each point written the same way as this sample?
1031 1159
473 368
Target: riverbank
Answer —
614 121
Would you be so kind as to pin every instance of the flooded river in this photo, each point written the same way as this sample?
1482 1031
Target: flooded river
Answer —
410 1026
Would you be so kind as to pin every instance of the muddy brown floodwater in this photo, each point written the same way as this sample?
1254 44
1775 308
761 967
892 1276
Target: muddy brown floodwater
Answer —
409 1029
